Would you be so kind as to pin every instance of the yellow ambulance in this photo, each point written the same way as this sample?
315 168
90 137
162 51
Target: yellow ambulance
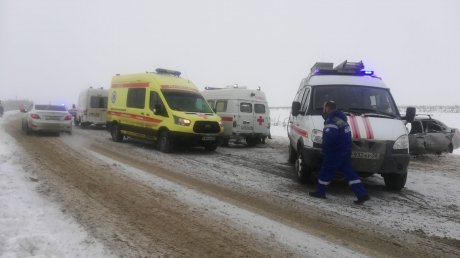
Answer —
163 107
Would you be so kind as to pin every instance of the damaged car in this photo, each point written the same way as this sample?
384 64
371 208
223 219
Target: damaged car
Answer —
429 135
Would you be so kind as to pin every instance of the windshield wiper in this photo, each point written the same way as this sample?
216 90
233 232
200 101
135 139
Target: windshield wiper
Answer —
370 111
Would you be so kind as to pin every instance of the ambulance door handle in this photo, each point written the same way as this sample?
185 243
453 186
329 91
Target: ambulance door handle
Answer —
142 113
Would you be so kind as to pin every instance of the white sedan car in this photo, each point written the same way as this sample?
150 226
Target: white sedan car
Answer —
47 118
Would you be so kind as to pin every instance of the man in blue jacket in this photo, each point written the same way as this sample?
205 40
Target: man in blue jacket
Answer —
336 147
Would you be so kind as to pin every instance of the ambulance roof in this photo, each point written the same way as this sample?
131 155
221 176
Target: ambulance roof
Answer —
234 93
163 80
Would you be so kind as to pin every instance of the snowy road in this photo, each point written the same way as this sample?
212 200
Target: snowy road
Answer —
237 201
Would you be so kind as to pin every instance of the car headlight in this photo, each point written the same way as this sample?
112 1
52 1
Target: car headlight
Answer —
401 143
317 136
182 121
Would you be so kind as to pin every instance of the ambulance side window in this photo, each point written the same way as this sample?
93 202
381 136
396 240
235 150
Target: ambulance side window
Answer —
136 98
156 105
305 101
212 103
221 106
259 108
246 107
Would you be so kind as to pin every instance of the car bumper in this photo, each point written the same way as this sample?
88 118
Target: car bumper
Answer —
50 126
387 163
188 139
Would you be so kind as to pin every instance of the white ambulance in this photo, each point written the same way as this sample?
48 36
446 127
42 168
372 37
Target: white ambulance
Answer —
92 107
380 138
244 113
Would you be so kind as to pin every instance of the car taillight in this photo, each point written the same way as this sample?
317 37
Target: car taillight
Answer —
35 116
68 117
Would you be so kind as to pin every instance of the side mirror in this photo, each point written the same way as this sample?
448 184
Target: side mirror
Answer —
158 110
410 114
295 110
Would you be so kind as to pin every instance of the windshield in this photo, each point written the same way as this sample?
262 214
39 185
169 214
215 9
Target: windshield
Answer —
356 99
50 107
186 101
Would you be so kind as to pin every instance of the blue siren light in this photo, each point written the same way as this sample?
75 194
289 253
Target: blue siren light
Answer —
368 72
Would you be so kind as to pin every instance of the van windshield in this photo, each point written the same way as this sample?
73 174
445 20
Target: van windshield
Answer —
186 101
356 99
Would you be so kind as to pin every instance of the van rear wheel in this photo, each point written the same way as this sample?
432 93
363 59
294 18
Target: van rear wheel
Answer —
116 133
395 182
292 155
252 141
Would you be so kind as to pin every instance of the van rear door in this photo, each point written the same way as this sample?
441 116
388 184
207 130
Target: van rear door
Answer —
261 119
246 117
97 109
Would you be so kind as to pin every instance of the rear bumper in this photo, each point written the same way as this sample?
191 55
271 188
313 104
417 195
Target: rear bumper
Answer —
50 126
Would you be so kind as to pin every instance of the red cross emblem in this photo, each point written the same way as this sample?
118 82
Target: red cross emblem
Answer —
260 120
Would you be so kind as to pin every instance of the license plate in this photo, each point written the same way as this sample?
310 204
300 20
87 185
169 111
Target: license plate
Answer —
365 155
53 118
247 127
208 138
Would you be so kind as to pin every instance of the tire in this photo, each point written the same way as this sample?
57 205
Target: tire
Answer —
27 129
164 142
225 142
116 133
304 173
292 155
211 147
395 182
252 141
450 148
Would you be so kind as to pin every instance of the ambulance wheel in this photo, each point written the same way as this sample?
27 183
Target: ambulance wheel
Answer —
395 182
450 148
252 141
225 142
211 147
292 155
116 133
164 142
304 172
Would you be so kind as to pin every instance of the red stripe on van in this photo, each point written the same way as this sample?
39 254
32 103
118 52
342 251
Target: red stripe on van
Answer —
227 118
354 127
130 85
301 132
137 117
367 125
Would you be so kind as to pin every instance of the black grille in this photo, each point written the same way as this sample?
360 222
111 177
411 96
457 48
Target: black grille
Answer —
206 127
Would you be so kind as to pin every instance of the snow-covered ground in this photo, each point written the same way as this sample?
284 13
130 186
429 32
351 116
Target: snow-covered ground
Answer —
30 225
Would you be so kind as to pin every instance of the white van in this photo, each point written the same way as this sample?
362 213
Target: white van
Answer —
244 112
92 107
380 138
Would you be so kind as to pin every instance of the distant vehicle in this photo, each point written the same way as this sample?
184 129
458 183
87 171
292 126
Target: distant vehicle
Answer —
47 118
92 107
244 112
162 107
380 138
429 135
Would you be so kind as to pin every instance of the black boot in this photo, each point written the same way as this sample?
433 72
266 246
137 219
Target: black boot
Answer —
362 199
317 195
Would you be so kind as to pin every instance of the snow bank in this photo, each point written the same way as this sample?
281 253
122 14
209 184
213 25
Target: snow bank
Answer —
31 226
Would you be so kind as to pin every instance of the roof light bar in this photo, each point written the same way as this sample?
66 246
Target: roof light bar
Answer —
166 71
344 68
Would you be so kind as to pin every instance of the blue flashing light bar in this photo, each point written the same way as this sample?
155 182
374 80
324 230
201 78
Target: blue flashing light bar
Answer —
368 72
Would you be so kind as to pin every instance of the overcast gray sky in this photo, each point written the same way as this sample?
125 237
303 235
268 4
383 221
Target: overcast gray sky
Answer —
50 50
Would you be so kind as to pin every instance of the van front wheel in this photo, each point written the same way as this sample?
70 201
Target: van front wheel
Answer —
164 142
395 182
304 172
116 133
